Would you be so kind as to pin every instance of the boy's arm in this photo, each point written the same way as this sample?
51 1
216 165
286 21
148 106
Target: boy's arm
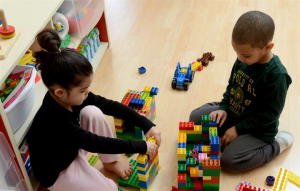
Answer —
114 108
271 106
225 101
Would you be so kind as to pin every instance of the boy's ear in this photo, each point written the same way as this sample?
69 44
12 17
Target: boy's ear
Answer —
269 46
59 92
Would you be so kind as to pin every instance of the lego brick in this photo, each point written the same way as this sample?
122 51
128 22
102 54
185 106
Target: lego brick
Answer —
211 186
211 164
214 143
201 157
133 179
93 160
205 119
193 137
211 172
294 179
194 172
245 187
186 126
213 131
181 168
181 178
181 145
191 162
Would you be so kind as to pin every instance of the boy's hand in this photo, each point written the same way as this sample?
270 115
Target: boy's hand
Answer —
229 136
154 132
151 149
220 115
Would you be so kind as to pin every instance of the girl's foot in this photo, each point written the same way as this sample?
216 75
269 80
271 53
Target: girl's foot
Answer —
123 169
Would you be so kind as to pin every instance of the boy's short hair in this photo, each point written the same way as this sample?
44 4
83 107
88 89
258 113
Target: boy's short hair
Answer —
254 28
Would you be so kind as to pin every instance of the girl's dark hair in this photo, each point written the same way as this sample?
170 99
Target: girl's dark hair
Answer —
64 67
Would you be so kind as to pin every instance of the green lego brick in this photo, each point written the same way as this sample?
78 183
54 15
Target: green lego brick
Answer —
189 149
205 129
205 119
189 184
133 180
129 134
191 162
137 129
93 160
129 155
119 189
211 172
193 137
181 168
211 186
181 162
213 132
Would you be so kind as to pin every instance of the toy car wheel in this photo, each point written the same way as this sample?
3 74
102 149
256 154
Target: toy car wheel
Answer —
174 82
186 86
212 58
192 77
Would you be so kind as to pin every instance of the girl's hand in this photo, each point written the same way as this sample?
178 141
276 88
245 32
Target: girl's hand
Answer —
154 132
151 149
229 136
220 115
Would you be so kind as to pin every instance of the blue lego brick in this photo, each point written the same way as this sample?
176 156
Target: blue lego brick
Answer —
145 184
143 165
181 145
142 70
139 134
145 172
205 132
181 184
200 167
213 123
214 156
154 91
215 143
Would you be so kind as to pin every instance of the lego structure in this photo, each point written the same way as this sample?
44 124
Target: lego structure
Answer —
144 171
142 102
183 76
206 58
245 187
198 156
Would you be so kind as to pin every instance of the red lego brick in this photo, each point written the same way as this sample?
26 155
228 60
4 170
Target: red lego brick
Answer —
186 125
245 187
118 127
181 178
198 185
211 181
214 152
174 189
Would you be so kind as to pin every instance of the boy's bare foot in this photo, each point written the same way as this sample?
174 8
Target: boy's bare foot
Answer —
123 169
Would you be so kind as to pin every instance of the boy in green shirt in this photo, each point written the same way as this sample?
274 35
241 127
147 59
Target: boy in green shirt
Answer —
249 111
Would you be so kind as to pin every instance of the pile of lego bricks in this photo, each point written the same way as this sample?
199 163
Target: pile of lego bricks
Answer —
198 156
142 102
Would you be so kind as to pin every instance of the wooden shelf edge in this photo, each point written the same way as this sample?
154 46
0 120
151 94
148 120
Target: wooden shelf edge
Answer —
99 55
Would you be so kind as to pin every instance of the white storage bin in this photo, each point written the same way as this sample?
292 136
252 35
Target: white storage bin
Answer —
82 15
18 111
10 176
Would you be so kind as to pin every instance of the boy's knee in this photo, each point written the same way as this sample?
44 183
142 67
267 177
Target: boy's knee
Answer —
227 164
195 117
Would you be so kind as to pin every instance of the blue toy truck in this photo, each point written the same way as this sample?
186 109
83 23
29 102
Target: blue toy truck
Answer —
183 77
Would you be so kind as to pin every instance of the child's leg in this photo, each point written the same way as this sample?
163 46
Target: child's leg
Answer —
206 109
93 120
247 152
80 175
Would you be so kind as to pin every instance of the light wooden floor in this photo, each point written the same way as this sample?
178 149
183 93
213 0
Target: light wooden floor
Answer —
157 34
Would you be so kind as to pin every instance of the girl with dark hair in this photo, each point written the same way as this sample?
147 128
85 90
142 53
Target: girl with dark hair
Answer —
71 123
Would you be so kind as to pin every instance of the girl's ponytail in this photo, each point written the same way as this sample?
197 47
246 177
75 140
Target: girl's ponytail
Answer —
64 67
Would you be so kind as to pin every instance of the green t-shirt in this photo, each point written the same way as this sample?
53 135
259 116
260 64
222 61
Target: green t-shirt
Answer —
255 97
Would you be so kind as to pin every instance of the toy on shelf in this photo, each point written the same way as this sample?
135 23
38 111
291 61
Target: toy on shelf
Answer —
27 58
8 36
142 102
198 156
90 44
61 25
142 70
206 58
183 76
144 171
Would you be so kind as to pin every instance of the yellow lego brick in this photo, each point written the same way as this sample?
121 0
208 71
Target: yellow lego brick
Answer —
182 137
147 89
146 176
142 169
128 91
142 159
281 180
191 132
119 124
119 130
206 177
194 172
152 140
294 179
181 152
198 128
205 149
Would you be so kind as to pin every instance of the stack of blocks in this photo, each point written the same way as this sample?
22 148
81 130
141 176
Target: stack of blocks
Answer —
144 171
198 156
142 102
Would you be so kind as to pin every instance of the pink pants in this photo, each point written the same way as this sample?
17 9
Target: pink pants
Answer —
80 175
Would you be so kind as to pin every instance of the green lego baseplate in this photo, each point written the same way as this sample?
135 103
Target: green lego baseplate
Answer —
119 189
133 180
